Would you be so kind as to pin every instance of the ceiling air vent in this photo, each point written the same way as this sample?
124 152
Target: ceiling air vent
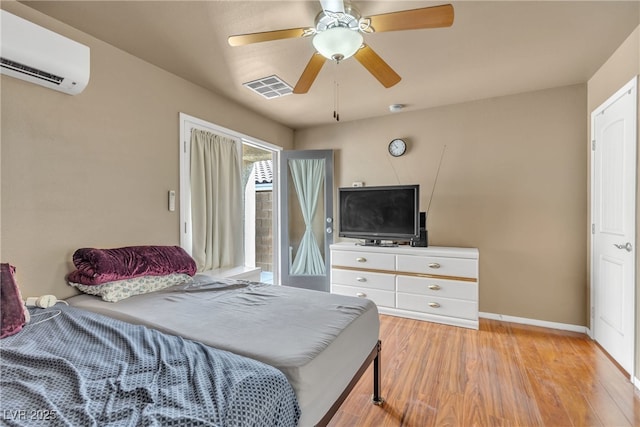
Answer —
270 87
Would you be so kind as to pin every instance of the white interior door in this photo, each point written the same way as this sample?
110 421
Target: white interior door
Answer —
613 127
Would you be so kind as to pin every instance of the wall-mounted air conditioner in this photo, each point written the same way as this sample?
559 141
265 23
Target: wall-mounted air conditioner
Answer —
38 55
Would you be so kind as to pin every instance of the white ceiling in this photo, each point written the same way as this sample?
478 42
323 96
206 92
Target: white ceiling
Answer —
493 49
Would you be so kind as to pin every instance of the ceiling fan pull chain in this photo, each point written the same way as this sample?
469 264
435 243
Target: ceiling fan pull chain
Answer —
336 94
337 102
335 106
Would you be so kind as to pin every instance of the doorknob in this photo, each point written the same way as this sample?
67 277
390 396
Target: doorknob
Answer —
329 228
627 246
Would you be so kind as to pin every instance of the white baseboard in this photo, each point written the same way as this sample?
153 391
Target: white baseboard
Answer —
636 382
535 322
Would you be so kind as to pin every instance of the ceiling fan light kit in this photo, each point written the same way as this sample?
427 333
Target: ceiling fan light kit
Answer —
337 43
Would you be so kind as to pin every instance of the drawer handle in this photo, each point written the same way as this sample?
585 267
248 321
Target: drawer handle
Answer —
361 295
434 265
435 287
434 305
361 259
361 279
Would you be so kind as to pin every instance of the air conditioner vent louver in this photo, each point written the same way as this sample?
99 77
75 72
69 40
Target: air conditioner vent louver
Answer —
38 55
21 68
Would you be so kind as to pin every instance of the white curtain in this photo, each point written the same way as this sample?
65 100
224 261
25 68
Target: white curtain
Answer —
216 200
308 178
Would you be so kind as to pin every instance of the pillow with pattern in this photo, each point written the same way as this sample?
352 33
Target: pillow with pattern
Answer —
121 289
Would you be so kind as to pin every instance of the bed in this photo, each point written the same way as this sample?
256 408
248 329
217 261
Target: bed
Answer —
72 367
321 342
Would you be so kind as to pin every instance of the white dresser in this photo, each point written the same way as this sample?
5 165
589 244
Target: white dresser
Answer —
437 284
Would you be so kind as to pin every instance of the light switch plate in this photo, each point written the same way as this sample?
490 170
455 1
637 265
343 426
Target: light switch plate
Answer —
172 200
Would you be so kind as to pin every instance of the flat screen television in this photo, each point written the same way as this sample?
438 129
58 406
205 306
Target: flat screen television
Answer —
386 213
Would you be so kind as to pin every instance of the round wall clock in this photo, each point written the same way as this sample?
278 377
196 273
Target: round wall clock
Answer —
397 147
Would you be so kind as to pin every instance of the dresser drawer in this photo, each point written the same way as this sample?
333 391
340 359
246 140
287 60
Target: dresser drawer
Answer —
441 306
363 279
381 298
454 267
364 260
437 287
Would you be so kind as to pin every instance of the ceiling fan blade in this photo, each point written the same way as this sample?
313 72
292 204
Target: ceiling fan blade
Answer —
376 66
309 74
332 5
244 39
415 19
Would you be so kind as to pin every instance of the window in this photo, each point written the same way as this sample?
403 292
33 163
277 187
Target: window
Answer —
259 200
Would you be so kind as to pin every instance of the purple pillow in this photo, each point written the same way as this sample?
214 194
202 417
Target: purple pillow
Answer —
13 313
99 266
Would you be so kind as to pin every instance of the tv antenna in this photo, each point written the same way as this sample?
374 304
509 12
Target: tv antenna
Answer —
436 180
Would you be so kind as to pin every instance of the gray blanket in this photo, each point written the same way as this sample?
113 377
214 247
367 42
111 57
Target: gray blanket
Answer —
71 367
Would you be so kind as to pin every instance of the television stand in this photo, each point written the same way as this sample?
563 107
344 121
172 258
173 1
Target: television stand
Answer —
437 284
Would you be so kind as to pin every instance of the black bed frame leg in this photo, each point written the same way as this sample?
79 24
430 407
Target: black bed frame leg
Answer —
377 399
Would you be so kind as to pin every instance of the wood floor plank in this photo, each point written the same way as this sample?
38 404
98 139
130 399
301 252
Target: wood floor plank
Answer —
502 375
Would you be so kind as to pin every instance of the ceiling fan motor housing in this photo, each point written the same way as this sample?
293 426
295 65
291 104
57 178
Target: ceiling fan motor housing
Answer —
350 18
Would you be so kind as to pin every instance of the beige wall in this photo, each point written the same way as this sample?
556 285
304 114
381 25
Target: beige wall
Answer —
93 170
621 67
512 183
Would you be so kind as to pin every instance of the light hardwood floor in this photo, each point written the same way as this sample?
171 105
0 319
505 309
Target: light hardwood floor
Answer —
505 374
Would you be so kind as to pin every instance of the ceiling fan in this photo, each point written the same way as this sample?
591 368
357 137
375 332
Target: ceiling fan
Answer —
338 35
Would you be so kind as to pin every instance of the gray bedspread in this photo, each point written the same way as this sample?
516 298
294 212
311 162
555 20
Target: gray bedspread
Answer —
281 326
75 368
317 339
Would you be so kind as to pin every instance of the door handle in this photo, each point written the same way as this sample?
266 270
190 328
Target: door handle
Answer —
627 246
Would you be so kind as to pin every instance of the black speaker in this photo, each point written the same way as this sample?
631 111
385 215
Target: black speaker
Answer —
423 241
423 220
